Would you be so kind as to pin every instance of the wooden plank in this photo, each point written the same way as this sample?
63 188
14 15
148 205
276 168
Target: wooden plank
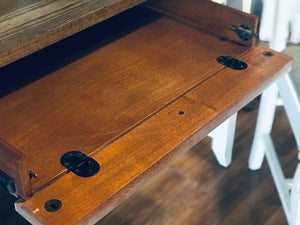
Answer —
208 15
96 99
195 189
132 159
27 26
8 6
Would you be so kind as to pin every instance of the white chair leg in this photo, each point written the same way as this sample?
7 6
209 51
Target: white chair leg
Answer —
295 199
247 6
278 176
291 104
222 140
263 126
281 28
224 2
267 24
295 28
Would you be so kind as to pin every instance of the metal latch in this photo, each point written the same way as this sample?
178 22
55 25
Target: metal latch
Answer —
8 183
80 164
232 63
244 32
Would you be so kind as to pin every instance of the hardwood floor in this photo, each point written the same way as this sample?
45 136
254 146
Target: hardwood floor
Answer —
195 190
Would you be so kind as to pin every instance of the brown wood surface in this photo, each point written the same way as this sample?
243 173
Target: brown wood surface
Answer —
144 151
14 163
27 26
208 15
96 99
195 189
7 6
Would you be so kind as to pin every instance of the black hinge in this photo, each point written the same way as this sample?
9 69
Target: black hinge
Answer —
244 32
232 63
80 164
8 183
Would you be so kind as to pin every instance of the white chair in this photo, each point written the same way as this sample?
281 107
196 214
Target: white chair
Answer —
288 87
246 4
278 16
280 22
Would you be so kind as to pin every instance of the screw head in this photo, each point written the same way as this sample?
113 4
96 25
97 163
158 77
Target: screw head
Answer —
268 53
53 205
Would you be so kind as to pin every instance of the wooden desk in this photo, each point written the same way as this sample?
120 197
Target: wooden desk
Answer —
148 91
30 25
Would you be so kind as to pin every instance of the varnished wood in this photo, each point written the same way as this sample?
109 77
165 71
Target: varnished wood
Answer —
17 170
134 105
153 144
96 99
27 26
196 190
210 16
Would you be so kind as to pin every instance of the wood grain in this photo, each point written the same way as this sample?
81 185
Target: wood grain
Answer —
8 7
96 99
119 104
195 189
27 26
209 16
153 144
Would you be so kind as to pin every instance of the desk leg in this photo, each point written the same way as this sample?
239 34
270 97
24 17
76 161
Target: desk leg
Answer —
295 198
263 126
222 140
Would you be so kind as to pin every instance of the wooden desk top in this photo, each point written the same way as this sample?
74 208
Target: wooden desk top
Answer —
134 103
151 145
111 90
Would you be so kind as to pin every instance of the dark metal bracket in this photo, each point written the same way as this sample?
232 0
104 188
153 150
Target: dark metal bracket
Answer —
232 63
80 164
8 183
244 32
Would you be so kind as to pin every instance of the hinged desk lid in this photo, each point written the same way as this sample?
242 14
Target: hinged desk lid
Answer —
147 90
94 100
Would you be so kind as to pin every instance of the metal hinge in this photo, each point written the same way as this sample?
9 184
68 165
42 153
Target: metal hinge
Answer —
232 63
244 32
80 164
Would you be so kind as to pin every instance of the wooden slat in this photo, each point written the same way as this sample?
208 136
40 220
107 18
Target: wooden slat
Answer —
27 26
196 190
8 7
208 15
98 98
151 146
